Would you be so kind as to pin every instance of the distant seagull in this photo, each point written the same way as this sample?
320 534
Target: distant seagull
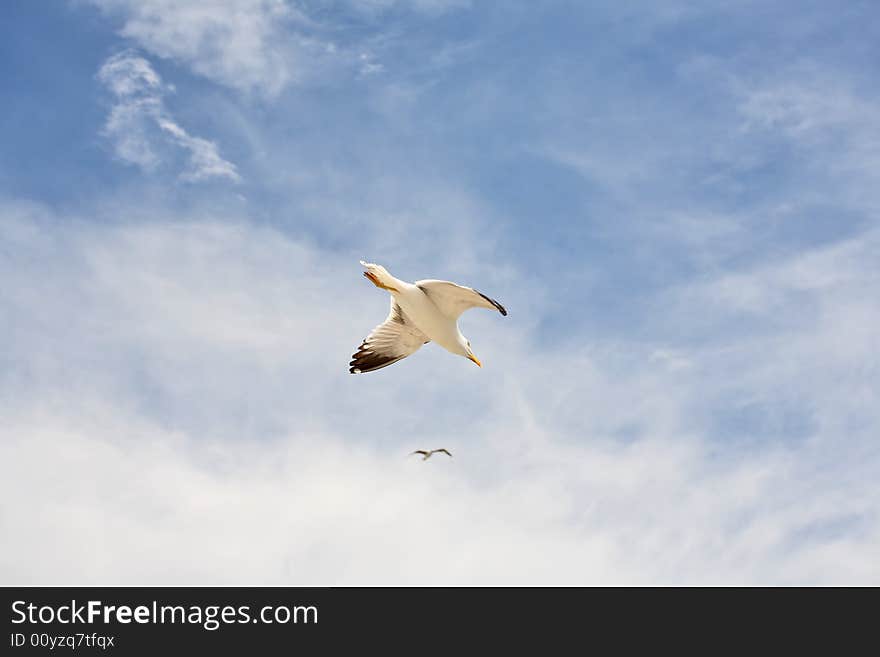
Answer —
420 312
426 454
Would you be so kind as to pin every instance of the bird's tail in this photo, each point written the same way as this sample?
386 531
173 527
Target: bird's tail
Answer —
380 273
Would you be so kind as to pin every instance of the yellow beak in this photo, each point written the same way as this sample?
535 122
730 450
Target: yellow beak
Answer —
473 358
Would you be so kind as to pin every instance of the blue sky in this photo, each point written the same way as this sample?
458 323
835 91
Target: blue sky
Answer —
676 202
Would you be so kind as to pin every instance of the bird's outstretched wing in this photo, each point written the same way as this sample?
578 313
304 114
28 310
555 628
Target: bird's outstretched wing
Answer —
419 451
445 451
453 299
392 340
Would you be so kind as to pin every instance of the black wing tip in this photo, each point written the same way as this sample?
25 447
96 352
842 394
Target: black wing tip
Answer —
363 361
497 305
355 365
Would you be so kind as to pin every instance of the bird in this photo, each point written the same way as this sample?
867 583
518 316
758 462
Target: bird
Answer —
420 312
426 454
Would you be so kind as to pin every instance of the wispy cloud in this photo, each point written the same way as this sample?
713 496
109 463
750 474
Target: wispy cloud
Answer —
683 227
154 369
811 110
240 43
427 6
369 65
260 46
141 128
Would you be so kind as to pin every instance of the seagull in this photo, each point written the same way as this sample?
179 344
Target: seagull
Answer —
420 312
426 454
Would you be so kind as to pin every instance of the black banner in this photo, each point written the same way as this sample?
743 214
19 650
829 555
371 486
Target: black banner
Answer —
144 620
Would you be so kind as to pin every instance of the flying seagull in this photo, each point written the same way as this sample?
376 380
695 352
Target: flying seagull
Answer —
426 454
420 312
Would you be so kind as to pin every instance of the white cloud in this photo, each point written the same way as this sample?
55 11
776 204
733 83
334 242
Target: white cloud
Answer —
368 65
240 43
175 395
138 120
128 126
204 160
127 75
176 403
256 46
426 6
814 111
798 107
